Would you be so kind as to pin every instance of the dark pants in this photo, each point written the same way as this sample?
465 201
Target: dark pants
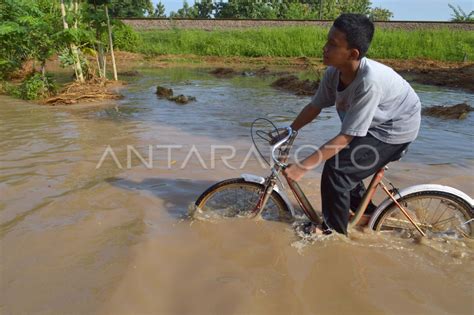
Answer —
341 183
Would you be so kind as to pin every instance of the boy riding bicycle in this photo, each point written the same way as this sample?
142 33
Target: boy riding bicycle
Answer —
380 115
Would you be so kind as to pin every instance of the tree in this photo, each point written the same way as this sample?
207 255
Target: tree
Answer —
247 9
351 6
27 31
204 8
43 30
130 8
111 44
297 11
263 10
229 9
159 10
459 15
98 19
294 9
74 50
185 12
331 9
380 14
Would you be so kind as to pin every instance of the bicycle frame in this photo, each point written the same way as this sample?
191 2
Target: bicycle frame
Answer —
300 196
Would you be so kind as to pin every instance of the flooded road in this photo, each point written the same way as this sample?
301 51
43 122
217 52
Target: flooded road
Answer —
82 232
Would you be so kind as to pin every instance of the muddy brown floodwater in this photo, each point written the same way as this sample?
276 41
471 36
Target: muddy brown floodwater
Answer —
78 236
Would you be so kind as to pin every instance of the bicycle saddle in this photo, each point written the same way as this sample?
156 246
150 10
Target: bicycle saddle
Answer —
399 156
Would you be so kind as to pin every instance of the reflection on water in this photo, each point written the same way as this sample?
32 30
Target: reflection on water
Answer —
75 238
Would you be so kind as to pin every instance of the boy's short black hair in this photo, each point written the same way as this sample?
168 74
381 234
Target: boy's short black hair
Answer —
359 31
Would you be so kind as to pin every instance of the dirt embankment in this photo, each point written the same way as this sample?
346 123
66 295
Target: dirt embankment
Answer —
260 72
447 74
286 81
427 72
292 84
457 75
459 111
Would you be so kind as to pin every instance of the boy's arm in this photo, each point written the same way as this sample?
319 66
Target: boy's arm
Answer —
325 96
306 116
356 123
327 151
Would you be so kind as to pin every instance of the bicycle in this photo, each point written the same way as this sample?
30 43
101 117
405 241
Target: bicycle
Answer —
431 209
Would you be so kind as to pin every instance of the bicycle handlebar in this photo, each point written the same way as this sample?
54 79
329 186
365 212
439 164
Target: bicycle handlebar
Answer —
279 144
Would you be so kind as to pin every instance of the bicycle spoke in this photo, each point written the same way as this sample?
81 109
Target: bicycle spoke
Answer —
400 226
429 204
442 213
427 213
239 200
435 214
462 232
444 221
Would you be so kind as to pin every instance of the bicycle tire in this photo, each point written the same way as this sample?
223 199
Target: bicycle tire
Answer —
213 202
432 219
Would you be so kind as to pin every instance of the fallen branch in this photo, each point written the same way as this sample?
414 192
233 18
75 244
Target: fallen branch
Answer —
90 91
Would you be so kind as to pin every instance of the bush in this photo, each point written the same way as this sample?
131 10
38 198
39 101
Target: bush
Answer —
7 67
35 87
3 87
125 38
8 88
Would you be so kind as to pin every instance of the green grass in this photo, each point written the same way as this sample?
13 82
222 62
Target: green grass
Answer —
442 44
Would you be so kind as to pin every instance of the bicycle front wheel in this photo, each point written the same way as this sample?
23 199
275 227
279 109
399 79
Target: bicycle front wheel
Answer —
238 198
438 213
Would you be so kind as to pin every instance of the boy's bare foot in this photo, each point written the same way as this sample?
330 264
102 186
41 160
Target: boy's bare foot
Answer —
312 229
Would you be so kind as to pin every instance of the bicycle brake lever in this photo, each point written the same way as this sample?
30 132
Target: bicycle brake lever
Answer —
276 138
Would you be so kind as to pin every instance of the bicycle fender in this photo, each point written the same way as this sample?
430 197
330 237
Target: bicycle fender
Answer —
253 178
260 180
419 188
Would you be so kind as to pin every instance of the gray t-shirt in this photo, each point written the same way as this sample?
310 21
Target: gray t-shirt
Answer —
379 102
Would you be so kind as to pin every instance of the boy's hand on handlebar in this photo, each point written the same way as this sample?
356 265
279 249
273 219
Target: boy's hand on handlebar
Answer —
276 136
295 172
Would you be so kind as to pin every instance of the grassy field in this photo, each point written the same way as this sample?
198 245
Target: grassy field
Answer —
443 44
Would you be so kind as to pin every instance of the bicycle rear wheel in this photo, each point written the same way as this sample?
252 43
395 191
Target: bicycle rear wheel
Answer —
438 213
237 198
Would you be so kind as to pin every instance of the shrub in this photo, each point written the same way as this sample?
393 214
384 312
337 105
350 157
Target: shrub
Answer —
125 38
35 87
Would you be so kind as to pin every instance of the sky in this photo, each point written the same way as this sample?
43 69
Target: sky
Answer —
403 10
